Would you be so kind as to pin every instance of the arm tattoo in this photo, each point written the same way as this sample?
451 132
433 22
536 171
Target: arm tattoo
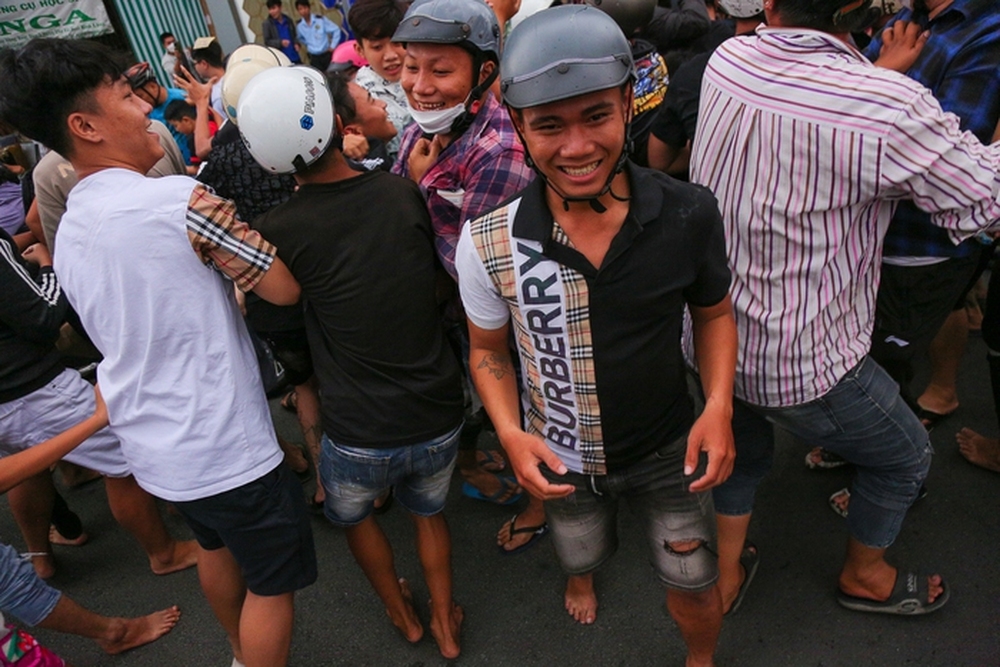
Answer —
497 364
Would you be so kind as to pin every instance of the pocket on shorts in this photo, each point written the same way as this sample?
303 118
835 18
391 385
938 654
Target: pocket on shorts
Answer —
440 455
350 465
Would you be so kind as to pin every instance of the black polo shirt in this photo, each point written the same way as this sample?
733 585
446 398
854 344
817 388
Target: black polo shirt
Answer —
669 252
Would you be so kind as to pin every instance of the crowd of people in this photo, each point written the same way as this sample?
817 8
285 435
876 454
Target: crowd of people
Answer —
630 256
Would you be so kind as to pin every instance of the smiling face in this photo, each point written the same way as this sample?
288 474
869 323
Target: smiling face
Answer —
371 118
383 55
436 76
576 143
116 124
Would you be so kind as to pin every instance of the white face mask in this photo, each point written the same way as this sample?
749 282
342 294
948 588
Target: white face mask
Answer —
172 47
437 122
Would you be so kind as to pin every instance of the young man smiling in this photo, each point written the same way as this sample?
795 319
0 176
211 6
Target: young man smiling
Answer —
591 267
151 276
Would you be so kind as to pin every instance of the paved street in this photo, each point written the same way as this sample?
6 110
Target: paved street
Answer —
513 605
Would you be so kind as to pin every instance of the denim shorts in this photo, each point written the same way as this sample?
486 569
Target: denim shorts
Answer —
864 420
48 411
584 524
22 593
265 525
354 477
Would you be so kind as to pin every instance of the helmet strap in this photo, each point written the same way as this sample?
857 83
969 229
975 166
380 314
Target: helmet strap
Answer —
463 122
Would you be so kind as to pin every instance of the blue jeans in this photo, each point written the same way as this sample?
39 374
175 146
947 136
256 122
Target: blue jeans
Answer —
22 593
354 477
863 419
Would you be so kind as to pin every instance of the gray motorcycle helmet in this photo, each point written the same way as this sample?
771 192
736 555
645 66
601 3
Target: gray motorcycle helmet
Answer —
470 24
563 52
630 15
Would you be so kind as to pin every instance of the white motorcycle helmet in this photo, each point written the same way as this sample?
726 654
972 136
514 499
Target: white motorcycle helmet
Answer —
245 63
286 118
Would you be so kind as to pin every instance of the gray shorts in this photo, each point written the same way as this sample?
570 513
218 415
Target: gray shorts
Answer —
584 524
50 410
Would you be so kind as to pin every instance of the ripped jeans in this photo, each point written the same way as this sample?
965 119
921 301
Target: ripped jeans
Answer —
584 524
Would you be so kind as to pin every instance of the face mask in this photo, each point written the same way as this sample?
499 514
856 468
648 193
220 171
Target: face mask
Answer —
171 48
437 122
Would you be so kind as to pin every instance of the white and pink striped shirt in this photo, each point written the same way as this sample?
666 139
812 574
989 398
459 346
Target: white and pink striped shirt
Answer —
808 147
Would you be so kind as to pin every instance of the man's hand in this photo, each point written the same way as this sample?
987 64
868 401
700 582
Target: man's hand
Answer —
355 146
712 433
37 253
526 452
424 154
285 43
902 43
101 410
197 93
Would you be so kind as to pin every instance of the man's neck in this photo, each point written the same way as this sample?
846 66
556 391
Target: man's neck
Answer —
935 7
335 170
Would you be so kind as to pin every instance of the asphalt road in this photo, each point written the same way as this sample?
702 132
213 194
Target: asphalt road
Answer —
513 604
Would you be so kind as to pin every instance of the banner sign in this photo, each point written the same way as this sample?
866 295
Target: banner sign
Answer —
23 20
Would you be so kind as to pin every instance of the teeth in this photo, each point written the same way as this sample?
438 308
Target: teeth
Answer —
581 171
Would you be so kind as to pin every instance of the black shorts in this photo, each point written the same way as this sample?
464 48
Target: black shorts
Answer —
291 348
265 525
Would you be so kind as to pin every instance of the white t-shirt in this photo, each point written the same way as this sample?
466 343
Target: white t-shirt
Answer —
180 375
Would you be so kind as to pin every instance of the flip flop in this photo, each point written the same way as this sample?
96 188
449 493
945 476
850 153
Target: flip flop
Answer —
931 419
506 484
490 460
537 532
908 598
750 561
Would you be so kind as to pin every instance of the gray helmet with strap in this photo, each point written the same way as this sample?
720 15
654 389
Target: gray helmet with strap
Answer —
563 52
630 15
470 24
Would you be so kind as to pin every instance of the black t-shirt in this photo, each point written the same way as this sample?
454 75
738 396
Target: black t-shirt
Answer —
678 115
362 250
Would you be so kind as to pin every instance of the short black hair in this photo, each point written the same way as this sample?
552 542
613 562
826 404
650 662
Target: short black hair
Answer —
302 3
211 54
828 15
164 35
178 110
46 80
343 103
374 19
273 3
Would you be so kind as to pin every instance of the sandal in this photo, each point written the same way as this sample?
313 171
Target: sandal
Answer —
750 561
509 492
908 598
490 460
537 532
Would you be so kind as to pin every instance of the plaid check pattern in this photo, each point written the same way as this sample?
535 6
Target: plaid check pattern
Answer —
493 241
225 242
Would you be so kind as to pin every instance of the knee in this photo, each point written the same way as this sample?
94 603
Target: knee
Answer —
688 565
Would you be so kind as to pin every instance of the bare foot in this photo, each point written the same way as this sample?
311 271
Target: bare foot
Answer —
320 496
44 564
183 556
731 591
128 633
978 449
938 401
55 537
408 624
532 515
581 600
693 662
446 633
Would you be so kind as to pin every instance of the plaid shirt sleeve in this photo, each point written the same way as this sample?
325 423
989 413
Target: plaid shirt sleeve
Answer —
224 242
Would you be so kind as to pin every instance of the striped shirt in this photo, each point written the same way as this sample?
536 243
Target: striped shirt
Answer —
808 147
